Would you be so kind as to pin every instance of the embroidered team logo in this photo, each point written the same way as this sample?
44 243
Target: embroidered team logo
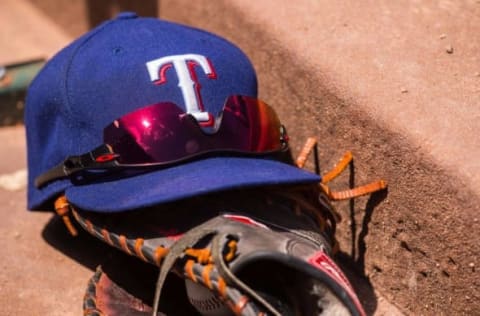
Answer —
185 69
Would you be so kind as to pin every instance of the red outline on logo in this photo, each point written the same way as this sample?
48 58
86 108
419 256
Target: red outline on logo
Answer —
197 87
162 74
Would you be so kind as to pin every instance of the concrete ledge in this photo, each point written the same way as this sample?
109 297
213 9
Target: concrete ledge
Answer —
381 80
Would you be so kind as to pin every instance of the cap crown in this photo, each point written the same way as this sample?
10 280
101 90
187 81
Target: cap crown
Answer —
120 66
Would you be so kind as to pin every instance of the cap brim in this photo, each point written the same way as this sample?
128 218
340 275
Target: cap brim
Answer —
185 181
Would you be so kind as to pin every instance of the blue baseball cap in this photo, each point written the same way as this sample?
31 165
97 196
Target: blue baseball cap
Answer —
123 65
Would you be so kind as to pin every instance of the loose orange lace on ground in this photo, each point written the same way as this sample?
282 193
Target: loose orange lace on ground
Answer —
311 145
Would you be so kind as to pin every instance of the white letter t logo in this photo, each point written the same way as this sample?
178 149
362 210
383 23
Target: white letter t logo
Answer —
187 80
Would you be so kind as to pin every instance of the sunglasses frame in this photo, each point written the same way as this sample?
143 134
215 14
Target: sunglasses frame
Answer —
104 158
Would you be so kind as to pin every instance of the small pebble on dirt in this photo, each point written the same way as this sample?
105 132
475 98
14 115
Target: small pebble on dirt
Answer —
404 90
442 36
449 49
471 265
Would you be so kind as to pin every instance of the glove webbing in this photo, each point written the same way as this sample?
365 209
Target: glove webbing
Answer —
189 239
165 258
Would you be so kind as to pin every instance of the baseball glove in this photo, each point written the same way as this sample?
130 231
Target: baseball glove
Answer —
255 254
263 251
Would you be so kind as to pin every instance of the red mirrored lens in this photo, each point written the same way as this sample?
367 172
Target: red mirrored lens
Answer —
163 133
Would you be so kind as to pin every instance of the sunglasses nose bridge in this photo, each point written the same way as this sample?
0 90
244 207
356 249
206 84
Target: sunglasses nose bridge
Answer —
194 140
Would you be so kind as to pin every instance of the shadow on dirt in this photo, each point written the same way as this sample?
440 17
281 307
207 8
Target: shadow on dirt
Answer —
353 264
126 273
84 248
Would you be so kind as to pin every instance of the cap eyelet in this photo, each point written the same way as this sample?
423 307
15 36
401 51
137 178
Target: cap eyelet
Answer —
126 15
117 50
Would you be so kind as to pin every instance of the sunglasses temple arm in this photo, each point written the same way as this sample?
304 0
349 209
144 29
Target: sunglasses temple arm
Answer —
59 171
66 168
101 157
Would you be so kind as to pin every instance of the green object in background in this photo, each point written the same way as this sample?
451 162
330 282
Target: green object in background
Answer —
14 81
17 77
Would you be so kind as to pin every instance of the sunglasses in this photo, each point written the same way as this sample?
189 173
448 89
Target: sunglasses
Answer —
162 135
